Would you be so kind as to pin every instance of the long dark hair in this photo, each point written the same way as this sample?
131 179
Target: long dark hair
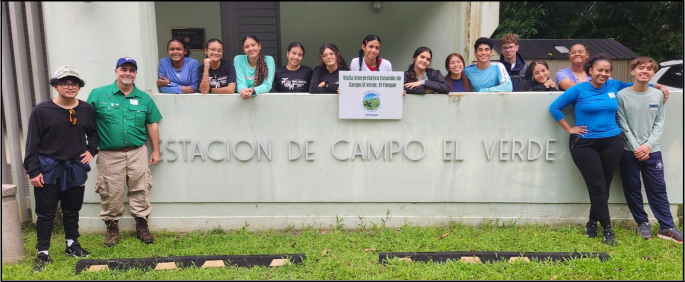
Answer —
411 72
213 40
367 39
448 77
262 71
592 60
339 59
185 46
296 44
532 66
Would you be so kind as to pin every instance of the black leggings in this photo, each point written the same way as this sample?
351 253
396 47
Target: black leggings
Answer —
597 159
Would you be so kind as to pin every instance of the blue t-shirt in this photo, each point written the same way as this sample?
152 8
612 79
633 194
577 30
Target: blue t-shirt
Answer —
594 108
458 86
493 79
187 76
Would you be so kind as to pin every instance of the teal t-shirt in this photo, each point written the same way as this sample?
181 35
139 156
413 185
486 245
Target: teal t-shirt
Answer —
245 75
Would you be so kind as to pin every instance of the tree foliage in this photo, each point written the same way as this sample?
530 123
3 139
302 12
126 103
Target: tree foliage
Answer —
652 29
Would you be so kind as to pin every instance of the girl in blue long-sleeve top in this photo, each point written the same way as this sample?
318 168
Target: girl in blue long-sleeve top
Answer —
178 72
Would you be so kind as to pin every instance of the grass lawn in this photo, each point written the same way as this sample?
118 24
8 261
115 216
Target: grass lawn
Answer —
353 254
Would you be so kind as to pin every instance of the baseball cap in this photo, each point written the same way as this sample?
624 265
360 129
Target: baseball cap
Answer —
126 60
65 71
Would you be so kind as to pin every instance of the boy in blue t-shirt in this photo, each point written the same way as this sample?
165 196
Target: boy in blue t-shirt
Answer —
486 76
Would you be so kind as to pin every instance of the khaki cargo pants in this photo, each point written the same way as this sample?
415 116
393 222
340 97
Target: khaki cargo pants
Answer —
116 171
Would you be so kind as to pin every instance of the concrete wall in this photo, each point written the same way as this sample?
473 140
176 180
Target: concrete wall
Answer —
170 15
192 193
402 27
92 36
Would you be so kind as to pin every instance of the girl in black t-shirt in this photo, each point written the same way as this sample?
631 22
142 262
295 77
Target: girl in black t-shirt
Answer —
293 77
216 75
325 77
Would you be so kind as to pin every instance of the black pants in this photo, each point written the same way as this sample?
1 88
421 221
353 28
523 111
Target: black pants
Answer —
597 159
652 171
46 206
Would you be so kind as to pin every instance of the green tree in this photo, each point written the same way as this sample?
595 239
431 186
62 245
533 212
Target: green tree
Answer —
652 29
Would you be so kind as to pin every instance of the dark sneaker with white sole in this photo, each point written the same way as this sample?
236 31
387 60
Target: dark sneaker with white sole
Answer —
672 234
644 230
608 237
591 229
41 261
76 250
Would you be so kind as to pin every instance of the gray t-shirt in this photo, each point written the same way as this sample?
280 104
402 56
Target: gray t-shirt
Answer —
641 118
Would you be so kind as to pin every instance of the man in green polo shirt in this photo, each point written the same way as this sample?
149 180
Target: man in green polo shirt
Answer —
124 115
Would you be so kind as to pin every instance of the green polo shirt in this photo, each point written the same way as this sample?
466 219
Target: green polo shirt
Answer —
121 119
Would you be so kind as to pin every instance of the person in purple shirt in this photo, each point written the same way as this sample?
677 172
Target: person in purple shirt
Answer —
595 142
577 54
178 72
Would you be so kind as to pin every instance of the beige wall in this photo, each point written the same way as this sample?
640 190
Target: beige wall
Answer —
402 27
170 15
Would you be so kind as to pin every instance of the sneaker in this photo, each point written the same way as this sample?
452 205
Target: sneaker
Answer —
41 261
608 237
644 230
672 234
76 251
591 229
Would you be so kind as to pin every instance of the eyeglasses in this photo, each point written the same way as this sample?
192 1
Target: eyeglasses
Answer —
216 50
72 116
579 52
68 85
508 48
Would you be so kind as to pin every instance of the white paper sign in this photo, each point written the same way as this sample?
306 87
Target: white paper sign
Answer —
371 95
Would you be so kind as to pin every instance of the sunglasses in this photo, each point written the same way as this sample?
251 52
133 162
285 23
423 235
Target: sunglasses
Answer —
72 117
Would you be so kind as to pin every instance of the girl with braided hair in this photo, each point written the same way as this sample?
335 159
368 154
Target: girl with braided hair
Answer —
368 59
420 79
254 71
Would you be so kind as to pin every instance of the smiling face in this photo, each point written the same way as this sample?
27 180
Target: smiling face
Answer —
423 60
483 53
252 48
456 66
372 49
329 57
643 72
215 51
578 54
176 51
540 73
295 56
126 74
600 71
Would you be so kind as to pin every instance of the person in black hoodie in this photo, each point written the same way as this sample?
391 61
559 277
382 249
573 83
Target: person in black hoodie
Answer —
325 77
61 141
420 79
512 60
539 78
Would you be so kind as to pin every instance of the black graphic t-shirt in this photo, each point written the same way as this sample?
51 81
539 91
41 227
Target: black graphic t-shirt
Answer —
286 80
220 77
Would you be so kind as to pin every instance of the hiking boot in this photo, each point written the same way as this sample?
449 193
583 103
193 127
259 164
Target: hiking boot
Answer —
76 251
608 237
142 231
112 236
672 234
41 261
644 230
591 229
